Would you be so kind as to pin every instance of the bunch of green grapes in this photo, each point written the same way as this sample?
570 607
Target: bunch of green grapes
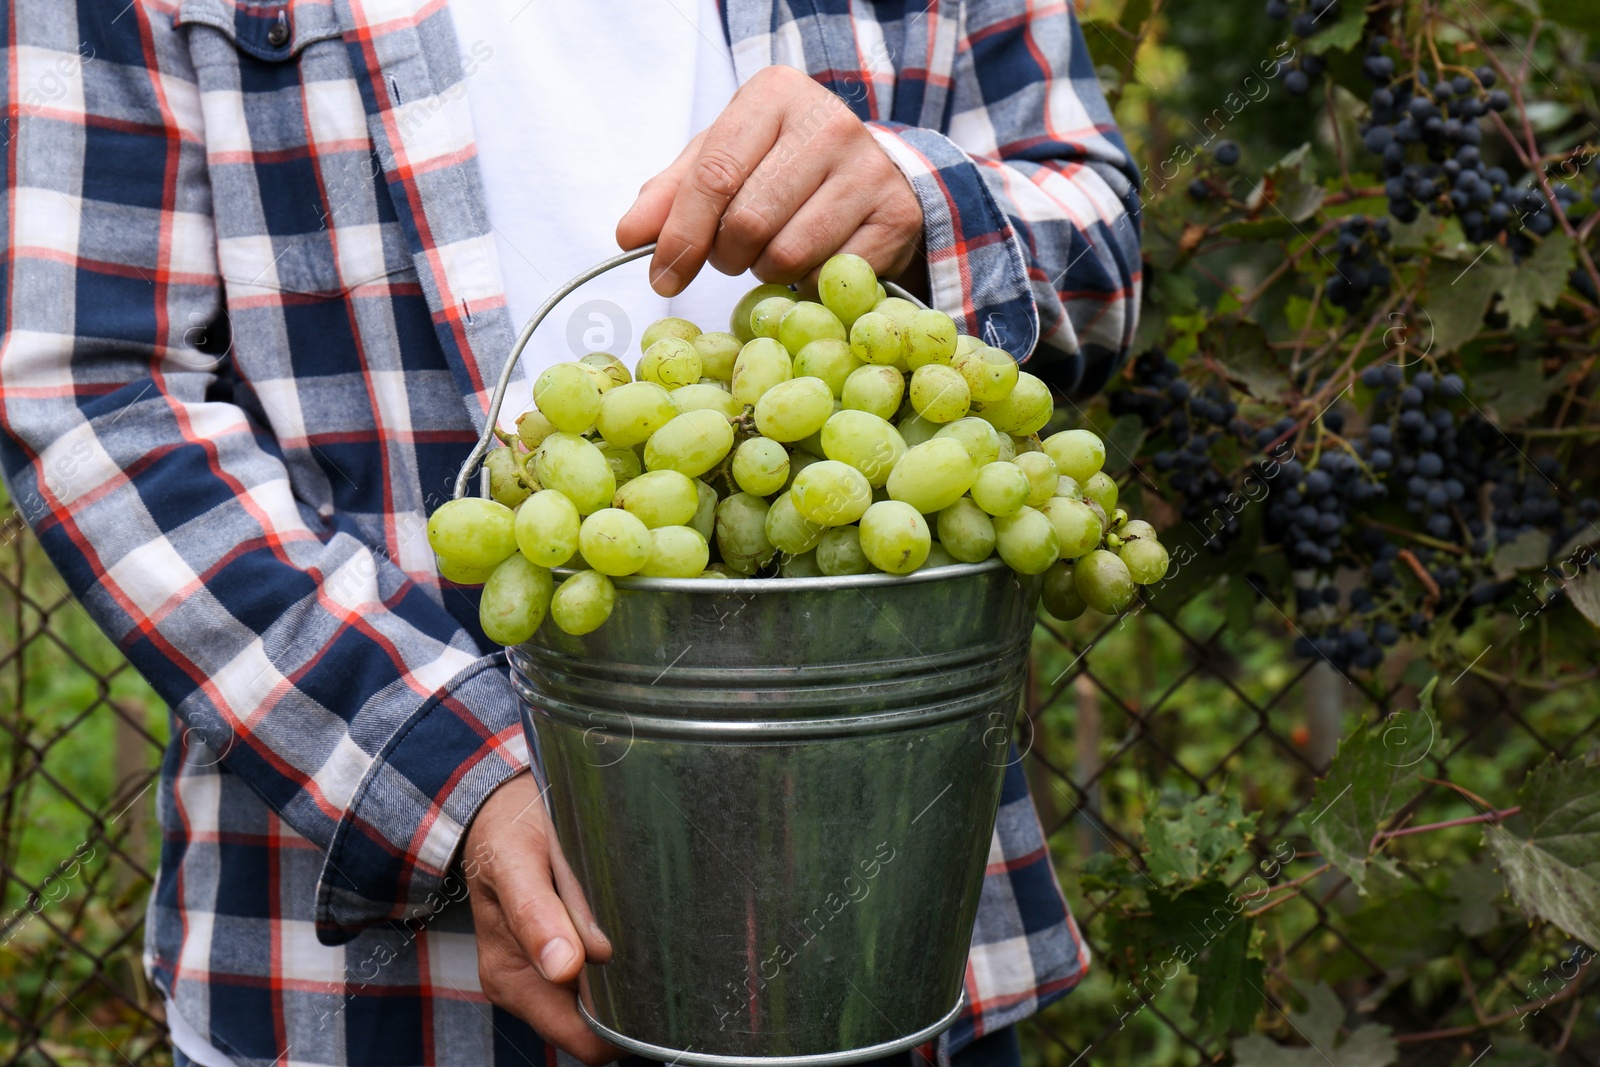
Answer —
853 435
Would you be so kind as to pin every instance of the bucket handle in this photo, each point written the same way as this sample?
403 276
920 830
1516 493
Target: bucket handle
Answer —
497 398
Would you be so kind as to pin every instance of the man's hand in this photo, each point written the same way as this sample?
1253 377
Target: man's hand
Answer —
784 178
533 925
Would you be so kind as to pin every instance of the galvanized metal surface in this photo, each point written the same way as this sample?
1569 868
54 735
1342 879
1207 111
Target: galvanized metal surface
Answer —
778 796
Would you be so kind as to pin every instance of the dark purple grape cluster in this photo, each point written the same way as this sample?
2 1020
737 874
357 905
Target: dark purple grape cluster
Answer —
1358 272
1304 22
1310 514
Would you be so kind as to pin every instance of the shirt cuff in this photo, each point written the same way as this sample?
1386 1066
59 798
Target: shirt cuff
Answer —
977 271
402 827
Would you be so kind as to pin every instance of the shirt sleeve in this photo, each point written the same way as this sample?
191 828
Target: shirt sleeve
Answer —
1030 202
339 689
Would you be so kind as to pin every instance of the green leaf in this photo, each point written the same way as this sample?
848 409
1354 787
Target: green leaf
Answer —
1267 229
1374 771
1342 34
1367 1046
1134 15
1584 592
1553 871
1204 835
1289 187
1537 281
1104 872
1530 549
1458 297
1109 46
1580 15
1230 982
1241 348
1517 392
1122 442
1475 889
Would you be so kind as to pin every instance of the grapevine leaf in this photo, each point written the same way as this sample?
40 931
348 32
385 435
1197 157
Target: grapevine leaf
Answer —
1123 439
1530 549
1289 187
1134 15
1514 1052
1267 229
1179 926
1204 835
1517 392
1457 300
1230 983
1241 348
1581 15
1109 46
1537 281
1554 870
1584 592
1103 872
1374 771
1340 34
1367 1046
1475 889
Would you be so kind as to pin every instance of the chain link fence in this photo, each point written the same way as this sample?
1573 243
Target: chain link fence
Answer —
1123 717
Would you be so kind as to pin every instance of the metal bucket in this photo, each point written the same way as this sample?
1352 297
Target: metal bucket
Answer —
778 796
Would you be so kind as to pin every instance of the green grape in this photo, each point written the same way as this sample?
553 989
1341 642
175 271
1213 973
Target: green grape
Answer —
742 532
1078 528
705 512
831 493
472 531
614 542
1059 594
932 476
830 360
802 566
883 294
848 286
630 413
1102 580
760 466
899 310
611 370
1068 488
676 552
717 351
939 393
1119 519
799 461
788 530
1008 446
990 373
690 444
660 498
767 314
670 362
583 603
812 443
721 570
808 321
706 397
864 441
1026 443
875 339
915 429
515 599
1102 489
505 476
739 320
966 532
965 344
982 441
533 428
461 573
762 363
1025 409
567 395
938 556
1042 475
930 337
1026 541
1001 488
894 536
839 552
876 390
574 466
546 528
681 329
1145 559
1137 528
1079 454
624 463
794 409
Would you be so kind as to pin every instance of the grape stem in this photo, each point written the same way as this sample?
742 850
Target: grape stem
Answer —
1422 574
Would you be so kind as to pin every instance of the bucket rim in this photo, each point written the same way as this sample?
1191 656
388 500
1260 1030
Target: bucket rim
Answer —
765 586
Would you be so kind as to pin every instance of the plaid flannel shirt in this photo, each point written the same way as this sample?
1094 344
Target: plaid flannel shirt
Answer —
251 307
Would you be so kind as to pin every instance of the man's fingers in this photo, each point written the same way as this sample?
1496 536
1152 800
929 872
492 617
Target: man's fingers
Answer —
733 146
642 222
538 919
822 224
596 945
511 983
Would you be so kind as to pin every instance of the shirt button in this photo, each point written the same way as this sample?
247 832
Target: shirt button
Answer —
278 36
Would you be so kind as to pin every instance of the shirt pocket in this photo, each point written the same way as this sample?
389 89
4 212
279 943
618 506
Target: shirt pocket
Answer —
300 201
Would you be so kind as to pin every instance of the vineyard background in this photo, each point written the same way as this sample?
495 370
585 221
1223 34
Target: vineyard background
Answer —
1179 745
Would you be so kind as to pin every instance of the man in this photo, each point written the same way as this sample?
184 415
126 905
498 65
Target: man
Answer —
264 262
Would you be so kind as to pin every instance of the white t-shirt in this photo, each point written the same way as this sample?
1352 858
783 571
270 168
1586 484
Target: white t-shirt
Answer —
574 106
